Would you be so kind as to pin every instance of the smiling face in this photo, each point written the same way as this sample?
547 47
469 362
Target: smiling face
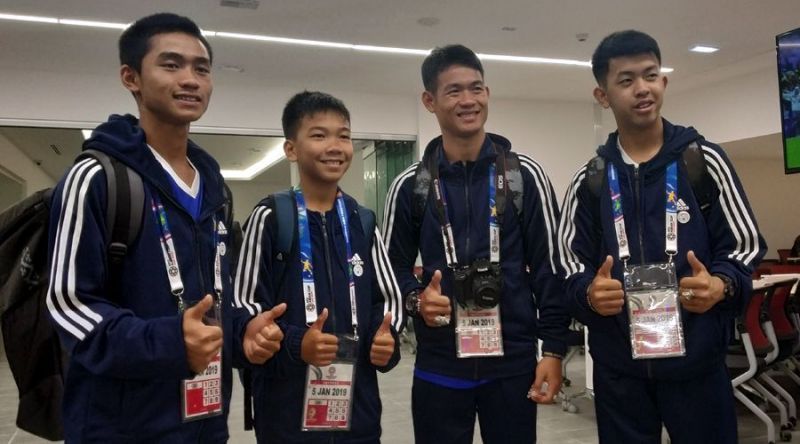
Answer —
174 84
322 148
460 102
634 90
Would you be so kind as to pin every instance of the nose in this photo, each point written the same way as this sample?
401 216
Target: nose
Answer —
188 79
640 87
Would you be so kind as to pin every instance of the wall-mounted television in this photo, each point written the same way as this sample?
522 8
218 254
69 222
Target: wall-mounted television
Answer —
788 48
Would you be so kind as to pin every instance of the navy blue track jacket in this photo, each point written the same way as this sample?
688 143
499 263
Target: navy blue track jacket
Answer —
125 344
279 384
528 258
726 242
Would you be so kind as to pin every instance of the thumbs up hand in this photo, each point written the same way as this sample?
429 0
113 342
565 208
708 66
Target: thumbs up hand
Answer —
203 342
262 337
605 294
701 291
382 344
433 306
318 348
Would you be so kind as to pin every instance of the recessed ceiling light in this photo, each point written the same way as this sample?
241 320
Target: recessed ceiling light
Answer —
509 28
703 49
231 68
428 21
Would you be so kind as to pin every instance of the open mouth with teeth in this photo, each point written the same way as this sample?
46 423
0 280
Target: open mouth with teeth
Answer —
184 98
333 162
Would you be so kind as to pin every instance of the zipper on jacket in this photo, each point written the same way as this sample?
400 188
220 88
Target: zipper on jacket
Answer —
326 248
467 176
640 219
199 254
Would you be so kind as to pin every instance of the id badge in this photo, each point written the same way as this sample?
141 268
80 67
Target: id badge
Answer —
478 332
201 396
328 400
654 311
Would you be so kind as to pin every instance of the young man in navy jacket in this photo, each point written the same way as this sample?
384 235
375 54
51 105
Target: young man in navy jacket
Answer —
492 371
133 348
644 210
343 307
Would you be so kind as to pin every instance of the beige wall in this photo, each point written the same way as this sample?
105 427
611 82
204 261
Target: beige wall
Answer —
23 168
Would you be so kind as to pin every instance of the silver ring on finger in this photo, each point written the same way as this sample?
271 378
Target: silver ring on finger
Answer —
441 320
687 294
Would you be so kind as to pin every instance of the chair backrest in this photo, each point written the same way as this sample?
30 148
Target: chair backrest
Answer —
778 303
752 323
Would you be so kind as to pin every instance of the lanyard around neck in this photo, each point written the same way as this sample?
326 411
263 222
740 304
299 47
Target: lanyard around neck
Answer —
497 182
670 206
171 258
307 262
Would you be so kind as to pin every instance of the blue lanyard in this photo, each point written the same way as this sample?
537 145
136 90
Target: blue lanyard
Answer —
670 206
171 258
448 238
307 262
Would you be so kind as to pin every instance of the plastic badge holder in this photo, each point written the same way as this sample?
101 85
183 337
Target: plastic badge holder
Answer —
479 332
328 402
654 312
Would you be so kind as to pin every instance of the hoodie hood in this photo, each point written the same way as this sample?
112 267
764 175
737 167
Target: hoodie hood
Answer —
676 139
123 138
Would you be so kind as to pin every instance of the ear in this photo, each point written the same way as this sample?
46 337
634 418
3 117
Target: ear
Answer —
486 87
288 150
665 79
130 79
427 100
601 97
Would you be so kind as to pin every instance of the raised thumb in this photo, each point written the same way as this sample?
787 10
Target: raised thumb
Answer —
385 325
605 269
317 325
276 312
198 310
436 281
697 266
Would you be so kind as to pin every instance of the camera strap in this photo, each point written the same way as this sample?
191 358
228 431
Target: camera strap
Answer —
497 205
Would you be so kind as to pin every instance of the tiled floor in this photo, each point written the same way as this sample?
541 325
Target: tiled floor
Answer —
555 426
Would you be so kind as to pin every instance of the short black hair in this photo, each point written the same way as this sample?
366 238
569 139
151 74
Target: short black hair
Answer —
135 40
306 104
621 44
444 57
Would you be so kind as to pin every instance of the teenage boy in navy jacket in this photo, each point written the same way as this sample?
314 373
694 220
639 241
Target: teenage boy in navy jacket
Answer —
714 252
343 305
495 375
132 347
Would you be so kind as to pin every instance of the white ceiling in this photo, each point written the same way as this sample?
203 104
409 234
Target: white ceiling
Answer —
744 29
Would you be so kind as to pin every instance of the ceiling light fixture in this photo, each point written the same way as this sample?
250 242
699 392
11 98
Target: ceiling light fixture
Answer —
274 155
307 42
703 49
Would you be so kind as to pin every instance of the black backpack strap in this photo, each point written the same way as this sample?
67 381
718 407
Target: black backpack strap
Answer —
702 184
514 180
595 175
125 206
422 187
367 218
226 191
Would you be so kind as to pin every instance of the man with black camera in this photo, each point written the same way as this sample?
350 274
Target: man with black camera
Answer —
483 219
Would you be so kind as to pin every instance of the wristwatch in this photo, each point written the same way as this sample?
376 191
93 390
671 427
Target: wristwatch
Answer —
729 287
412 302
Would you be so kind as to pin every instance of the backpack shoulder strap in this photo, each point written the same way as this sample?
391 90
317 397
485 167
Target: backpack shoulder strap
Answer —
422 186
367 218
125 206
595 174
702 184
514 178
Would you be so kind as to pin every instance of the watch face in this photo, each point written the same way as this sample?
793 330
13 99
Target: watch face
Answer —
411 303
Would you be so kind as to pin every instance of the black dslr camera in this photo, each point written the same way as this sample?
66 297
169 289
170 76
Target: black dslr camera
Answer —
480 283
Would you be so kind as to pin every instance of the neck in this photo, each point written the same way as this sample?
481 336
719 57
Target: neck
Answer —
168 139
463 149
318 197
642 144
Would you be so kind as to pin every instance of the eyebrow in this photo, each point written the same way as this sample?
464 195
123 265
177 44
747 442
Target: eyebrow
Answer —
459 85
166 55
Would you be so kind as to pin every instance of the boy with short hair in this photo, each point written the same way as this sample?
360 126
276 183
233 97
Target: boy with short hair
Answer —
143 364
684 248
343 308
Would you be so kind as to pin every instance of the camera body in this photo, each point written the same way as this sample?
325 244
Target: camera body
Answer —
481 283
